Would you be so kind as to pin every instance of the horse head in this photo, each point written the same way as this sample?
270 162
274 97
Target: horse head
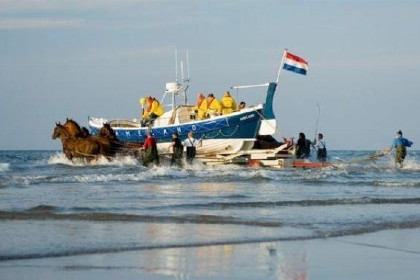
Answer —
73 128
107 132
59 131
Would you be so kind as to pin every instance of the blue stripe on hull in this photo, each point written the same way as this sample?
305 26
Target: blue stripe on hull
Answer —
241 126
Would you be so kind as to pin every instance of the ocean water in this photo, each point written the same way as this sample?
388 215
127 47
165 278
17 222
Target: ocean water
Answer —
51 207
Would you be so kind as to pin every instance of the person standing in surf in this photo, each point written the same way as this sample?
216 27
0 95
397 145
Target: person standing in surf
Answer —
191 143
177 150
149 150
321 148
399 143
303 147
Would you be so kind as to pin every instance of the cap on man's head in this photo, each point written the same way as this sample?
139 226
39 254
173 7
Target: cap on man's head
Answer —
399 132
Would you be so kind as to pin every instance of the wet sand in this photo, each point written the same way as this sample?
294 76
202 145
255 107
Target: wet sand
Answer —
391 254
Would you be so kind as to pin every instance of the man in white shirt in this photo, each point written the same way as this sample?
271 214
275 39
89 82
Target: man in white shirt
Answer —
191 143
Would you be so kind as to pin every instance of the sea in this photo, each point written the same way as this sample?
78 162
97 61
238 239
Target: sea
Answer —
51 207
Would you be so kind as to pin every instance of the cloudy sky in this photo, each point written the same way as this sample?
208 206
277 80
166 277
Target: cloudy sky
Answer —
83 58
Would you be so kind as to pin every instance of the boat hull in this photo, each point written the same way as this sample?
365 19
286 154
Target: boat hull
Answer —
220 135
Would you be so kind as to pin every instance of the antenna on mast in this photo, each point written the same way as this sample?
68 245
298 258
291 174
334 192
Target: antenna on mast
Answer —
176 65
183 81
186 81
177 88
188 67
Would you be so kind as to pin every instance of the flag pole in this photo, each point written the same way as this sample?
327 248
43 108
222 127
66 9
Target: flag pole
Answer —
281 65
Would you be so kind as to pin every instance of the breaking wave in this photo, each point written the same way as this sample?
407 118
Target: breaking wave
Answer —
43 211
4 167
61 158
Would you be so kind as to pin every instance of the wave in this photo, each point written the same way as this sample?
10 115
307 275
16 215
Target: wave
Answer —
401 184
119 160
4 167
300 203
113 217
42 212
104 171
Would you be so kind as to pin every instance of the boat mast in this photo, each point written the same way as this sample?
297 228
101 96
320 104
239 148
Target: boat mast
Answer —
177 88
176 79
187 81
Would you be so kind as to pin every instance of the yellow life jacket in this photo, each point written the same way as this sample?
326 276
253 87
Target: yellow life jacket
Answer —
157 108
153 106
214 106
228 105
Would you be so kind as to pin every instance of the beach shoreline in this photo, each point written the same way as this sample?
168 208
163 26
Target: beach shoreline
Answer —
388 254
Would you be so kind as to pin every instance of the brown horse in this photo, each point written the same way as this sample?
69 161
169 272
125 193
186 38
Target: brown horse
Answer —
107 132
74 129
88 147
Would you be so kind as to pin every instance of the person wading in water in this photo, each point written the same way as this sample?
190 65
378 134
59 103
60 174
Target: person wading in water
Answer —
321 148
399 143
150 152
177 150
191 143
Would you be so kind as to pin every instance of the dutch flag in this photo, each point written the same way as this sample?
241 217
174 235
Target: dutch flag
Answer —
295 63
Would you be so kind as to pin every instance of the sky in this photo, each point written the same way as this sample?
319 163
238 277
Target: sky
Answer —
80 58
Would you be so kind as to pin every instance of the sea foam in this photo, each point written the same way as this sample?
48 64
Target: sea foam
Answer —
4 167
60 158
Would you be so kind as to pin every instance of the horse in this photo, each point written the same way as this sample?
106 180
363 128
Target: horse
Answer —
127 148
107 132
74 129
78 147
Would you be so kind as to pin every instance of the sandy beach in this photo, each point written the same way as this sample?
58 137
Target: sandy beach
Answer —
390 254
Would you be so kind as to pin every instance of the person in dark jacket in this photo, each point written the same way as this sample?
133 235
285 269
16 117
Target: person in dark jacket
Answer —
177 150
303 147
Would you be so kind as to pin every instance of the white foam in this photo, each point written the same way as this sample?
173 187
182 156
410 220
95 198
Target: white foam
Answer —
4 166
98 178
396 184
60 158
411 164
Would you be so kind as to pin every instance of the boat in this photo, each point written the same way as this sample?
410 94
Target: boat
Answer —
225 139
219 134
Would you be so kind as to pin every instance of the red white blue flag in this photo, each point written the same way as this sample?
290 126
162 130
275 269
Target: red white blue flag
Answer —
295 63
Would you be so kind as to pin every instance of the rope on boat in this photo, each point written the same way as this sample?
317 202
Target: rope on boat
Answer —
228 135
275 128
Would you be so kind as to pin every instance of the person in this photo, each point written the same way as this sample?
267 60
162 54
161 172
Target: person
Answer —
321 148
152 111
228 104
150 152
212 106
303 147
191 143
198 108
399 143
241 106
178 150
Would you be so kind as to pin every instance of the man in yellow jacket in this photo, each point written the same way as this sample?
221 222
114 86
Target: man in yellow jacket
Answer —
152 111
211 106
228 104
198 108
